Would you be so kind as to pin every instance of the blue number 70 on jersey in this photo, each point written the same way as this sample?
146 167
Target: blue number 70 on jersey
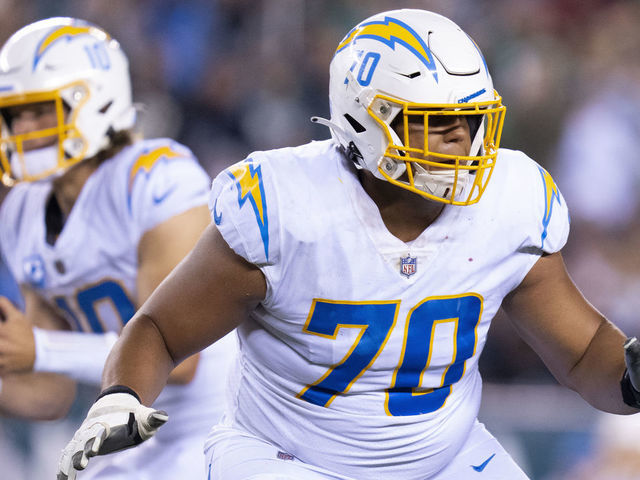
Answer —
376 321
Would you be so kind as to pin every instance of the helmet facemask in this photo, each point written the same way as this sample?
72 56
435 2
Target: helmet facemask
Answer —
454 179
64 145
81 70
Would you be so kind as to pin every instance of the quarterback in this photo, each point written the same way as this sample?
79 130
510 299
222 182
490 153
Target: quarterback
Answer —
362 273
95 219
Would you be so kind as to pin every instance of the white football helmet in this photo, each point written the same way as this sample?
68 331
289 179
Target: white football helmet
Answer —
414 63
79 68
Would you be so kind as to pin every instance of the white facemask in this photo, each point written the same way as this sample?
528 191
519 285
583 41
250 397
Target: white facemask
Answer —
37 162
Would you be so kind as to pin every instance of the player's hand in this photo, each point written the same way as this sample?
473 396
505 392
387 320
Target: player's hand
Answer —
116 421
17 344
632 359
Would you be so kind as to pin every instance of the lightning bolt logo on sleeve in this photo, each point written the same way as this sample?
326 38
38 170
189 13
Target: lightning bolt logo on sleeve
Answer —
551 194
391 31
145 163
248 179
148 159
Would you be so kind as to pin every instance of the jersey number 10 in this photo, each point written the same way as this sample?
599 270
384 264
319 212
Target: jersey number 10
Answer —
88 299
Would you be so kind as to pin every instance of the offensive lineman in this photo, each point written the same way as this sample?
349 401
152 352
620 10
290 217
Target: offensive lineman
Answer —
362 273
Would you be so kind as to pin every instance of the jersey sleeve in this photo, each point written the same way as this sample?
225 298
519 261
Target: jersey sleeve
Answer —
548 225
164 180
243 205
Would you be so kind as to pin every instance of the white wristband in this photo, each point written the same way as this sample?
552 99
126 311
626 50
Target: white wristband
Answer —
80 356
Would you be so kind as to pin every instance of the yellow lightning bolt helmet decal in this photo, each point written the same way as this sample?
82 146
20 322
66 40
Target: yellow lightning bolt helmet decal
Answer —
551 193
248 179
67 32
391 31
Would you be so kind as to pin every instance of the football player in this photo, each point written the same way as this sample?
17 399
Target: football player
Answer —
362 273
94 221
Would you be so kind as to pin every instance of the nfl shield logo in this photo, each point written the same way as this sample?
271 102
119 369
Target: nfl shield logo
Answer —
408 265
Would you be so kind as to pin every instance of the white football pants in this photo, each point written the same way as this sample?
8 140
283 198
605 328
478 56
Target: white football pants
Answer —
237 455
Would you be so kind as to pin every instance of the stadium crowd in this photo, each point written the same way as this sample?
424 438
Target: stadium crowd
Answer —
227 77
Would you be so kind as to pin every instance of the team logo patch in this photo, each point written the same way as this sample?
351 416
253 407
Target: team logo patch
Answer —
248 180
148 159
217 217
34 270
482 466
408 265
552 195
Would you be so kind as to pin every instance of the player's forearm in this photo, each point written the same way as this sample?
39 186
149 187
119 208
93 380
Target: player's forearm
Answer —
139 360
36 396
184 373
598 373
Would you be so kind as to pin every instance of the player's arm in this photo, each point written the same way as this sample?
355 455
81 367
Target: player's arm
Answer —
579 346
30 395
209 294
202 300
40 341
36 396
159 251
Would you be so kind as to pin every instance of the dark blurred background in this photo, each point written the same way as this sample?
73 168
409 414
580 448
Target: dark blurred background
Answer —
227 77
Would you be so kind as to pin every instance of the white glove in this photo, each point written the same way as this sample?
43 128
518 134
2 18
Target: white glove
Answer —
116 421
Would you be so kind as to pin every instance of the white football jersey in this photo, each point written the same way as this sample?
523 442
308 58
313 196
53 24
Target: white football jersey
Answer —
363 357
89 274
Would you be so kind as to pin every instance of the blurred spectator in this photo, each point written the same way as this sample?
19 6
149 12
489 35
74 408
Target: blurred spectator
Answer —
614 453
598 167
